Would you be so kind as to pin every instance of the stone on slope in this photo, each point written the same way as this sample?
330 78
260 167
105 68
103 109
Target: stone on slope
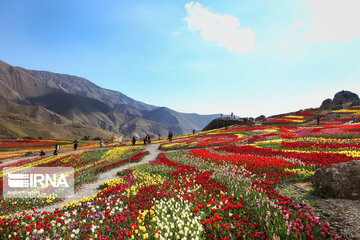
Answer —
341 180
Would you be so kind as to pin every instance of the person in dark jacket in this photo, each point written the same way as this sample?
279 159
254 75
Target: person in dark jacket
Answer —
133 140
57 148
75 144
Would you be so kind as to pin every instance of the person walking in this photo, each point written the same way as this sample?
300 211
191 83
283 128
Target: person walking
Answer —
57 149
193 132
159 136
75 144
170 136
101 142
133 140
148 138
145 140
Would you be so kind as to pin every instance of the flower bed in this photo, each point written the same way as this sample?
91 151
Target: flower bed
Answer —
87 165
225 189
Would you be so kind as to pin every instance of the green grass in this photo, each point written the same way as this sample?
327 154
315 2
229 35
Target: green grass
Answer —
154 169
13 128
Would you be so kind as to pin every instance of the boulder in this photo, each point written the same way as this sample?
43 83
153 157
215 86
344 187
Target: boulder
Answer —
224 122
341 99
345 97
326 104
341 180
260 118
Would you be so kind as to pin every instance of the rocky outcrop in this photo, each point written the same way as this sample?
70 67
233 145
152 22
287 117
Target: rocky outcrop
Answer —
227 121
260 118
326 104
341 99
341 180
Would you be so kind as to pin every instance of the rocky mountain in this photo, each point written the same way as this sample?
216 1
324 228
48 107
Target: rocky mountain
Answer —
83 87
341 99
228 121
67 99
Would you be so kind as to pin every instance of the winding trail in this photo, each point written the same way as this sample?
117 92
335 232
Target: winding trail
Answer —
89 189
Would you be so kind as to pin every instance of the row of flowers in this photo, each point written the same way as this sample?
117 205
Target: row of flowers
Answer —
87 165
18 149
225 189
185 203
12 143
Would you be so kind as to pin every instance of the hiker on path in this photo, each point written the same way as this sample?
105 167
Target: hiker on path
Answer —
133 141
170 136
75 144
57 149
102 142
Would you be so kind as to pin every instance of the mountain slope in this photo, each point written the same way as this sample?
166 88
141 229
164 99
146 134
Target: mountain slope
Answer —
187 120
83 87
19 126
33 111
120 102
16 84
63 98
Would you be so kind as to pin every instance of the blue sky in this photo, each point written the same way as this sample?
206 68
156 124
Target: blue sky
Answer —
247 57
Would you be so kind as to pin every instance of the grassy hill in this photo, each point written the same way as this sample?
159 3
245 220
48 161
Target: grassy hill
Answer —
20 126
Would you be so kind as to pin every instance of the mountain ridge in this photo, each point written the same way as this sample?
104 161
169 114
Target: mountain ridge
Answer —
65 99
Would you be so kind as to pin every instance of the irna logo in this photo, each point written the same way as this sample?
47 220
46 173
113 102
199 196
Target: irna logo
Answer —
35 180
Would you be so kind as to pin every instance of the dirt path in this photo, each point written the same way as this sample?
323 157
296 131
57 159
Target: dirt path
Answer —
89 189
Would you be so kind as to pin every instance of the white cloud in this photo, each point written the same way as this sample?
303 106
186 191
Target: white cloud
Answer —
333 20
224 29
297 25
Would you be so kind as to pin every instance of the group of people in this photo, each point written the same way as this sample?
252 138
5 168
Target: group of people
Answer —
76 144
147 139
231 115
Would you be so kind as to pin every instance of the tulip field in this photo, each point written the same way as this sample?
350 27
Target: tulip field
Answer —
219 184
86 164
10 148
